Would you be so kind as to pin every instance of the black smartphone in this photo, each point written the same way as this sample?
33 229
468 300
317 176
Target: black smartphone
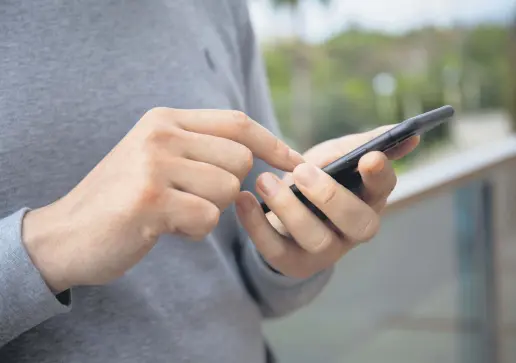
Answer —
344 170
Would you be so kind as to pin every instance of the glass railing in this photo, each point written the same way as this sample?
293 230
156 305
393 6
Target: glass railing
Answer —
438 284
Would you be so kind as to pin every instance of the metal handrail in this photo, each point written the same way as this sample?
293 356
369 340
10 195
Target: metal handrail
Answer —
426 181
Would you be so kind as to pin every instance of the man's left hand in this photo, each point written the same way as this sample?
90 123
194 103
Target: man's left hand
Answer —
292 239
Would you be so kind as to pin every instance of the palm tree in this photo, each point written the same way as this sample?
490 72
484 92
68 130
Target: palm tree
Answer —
301 74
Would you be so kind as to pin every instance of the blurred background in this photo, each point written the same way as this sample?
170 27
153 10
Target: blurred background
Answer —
439 282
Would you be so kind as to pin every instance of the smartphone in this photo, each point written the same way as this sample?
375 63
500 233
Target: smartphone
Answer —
344 170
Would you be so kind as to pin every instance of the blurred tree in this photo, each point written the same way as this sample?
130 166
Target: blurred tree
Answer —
467 67
301 83
512 70
486 62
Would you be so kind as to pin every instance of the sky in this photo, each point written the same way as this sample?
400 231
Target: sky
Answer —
386 15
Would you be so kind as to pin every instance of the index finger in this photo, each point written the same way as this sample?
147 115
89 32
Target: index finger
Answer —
237 126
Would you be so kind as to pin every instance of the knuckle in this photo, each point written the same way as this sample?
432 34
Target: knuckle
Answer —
247 160
233 186
280 148
209 218
328 194
160 136
277 145
242 121
160 117
150 234
368 228
150 194
324 241
159 112
154 115
155 137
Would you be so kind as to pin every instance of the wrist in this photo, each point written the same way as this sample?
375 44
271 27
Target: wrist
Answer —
41 237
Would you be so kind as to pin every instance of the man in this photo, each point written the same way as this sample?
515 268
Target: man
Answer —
102 267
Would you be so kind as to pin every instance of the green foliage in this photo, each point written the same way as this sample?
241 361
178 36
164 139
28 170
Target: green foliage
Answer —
511 96
486 52
466 67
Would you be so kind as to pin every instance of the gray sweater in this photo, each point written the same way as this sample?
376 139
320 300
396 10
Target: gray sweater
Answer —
74 78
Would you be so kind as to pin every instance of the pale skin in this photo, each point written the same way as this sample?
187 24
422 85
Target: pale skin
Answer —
292 239
177 170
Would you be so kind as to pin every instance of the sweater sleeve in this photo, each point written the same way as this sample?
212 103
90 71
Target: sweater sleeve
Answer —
277 295
25 299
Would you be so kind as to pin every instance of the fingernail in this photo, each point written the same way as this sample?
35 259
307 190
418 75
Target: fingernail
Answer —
307 175
295 157
245 204
269 184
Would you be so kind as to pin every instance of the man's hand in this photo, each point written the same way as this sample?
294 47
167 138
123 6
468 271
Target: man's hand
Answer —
297 243
174 172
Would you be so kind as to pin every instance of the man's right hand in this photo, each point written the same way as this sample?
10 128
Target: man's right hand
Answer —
174 172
